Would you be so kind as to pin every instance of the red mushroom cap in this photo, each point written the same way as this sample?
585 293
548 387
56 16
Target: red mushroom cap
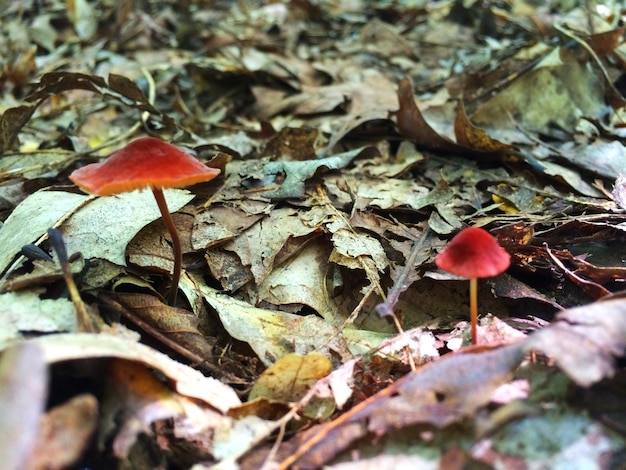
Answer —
145 162
473 252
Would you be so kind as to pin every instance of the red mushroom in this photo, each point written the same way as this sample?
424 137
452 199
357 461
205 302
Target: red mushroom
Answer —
473 253
147 163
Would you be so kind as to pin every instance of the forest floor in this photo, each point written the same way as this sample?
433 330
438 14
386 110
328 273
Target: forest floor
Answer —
312 326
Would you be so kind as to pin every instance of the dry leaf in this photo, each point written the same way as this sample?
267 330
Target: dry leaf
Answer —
64 433
23 394
584 341
440 393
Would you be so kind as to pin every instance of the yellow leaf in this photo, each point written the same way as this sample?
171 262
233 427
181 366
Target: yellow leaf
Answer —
291 377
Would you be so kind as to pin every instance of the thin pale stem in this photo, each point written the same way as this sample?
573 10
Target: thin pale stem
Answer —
474 308
176 246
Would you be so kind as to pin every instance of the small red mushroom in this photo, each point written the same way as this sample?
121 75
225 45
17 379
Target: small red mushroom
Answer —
473 253
147 163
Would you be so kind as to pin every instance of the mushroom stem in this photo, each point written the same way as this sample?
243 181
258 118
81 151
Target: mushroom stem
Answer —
176 246
474 308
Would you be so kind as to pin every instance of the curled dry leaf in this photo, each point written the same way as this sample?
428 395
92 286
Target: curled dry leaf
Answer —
266 330
23 390
291 377
440 393
584 341
187 381
64 433
139 399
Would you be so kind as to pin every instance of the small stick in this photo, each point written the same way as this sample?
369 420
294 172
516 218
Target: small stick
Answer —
82 317
385 308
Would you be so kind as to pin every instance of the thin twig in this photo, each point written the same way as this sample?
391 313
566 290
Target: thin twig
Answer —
385 308
83 320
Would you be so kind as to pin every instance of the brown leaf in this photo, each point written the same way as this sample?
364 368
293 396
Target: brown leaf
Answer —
138 398
152 248
126 87
64 433
412 125
54 83
440 393
607 41
23 389
179 326
185 380
11 122
293 144
290 377
472 141
585 340
508 287
116 87
593 289
474 137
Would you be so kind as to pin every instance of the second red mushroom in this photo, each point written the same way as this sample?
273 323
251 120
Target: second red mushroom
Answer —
473 253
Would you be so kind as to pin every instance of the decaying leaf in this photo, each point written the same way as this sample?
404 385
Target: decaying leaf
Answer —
104 227
135 394
27 312
177 325
455 386
274 334
468 134
23 394
332 208
291 377
559 89
187 381
298 172
472 141
119 88
11 122
440 393
65 433
585 341
32 218
301 280
263 245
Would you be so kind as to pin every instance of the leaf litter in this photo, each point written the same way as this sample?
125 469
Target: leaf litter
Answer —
354 143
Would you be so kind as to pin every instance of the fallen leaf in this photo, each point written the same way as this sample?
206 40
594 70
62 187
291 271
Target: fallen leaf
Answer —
584 341
274 334
187 381
440 393
23 395
152 247
27 312
104 227
473 136
301 280
290 378
292 144
32 218
178 325
11 123
140 399
258 247
412 125
558 90
65 432
117 87
296 173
